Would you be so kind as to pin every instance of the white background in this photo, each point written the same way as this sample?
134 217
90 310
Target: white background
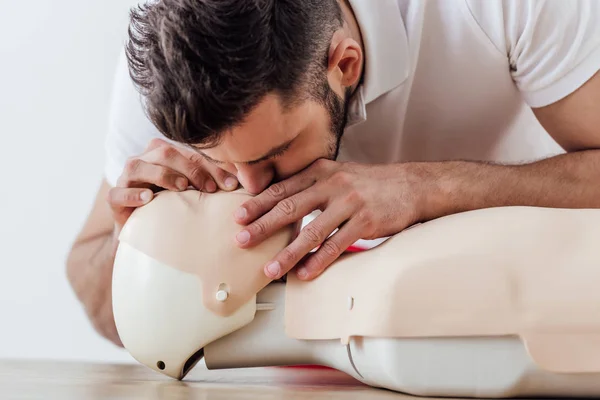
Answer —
57 60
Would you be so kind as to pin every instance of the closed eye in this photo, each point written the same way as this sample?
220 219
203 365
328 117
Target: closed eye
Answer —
281 151
277 152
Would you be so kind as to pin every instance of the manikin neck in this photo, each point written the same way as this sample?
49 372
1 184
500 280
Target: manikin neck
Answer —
264 343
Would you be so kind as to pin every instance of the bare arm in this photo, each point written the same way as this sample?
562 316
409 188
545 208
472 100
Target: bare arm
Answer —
90 262
566 181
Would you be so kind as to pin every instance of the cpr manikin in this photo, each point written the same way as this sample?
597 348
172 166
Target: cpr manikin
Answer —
501 302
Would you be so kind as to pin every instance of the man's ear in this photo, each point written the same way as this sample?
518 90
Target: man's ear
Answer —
345 63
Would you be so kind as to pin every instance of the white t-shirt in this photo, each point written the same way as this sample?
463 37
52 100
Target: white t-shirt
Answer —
444 79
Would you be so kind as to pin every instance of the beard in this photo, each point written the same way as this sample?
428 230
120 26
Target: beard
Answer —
337 108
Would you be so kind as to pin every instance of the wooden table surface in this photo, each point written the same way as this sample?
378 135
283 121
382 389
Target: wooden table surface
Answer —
70 380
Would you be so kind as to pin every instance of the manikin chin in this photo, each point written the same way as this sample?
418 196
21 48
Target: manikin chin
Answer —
501 302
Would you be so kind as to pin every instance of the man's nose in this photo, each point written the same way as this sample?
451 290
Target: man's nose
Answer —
254 179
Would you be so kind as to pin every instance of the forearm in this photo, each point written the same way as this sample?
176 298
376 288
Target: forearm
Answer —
89 271
87 262
566 181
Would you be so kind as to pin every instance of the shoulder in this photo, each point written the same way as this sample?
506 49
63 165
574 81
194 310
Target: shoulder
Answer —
509 22
552 46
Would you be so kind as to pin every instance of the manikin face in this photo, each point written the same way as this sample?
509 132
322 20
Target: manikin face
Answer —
274 143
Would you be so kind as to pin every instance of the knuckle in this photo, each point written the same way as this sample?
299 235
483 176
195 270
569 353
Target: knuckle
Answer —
342 178
366 220
287 207
277 191
313 235
132 165
260 227
331 249
167 152
365 216
155 142
288 256
164 177
354 197
195 158
321 163
316 263
197 172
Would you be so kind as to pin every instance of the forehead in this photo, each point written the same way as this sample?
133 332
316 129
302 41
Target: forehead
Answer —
268 125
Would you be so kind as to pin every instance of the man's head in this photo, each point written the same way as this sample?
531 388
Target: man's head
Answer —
260 87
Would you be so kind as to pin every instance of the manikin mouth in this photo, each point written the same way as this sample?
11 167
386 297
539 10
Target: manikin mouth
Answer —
191 363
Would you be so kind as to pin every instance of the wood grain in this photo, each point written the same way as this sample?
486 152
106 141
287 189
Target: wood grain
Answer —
71 380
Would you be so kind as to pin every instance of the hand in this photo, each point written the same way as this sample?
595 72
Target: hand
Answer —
164 166
363 201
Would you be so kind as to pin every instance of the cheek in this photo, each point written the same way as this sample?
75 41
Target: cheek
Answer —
301 156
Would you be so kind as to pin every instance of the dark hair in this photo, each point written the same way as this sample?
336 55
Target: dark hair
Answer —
202 65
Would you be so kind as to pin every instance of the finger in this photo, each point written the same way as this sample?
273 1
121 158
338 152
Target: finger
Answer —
225 181
192 170
265 201
313 235
129 197
124 200
142 173
286 212
330 250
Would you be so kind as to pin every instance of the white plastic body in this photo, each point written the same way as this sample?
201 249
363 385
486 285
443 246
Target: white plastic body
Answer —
453 367
462 367
263 342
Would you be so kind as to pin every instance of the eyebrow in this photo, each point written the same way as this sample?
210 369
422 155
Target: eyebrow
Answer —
270 154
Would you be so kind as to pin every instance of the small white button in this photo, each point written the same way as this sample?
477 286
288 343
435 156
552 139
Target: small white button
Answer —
222 295
350 302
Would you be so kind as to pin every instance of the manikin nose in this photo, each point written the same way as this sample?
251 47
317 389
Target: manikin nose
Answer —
255 180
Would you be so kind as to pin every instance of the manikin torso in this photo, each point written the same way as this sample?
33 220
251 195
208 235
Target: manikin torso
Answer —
493 303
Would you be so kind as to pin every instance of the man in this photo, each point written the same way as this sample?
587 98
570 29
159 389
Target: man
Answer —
377 113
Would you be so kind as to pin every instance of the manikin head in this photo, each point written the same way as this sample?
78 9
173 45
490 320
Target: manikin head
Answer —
179 280
260 88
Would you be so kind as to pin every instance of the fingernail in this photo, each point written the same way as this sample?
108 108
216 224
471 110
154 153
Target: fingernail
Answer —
243 237
211 186
181 183
146 196
302 273
231 182
240 213
274 269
